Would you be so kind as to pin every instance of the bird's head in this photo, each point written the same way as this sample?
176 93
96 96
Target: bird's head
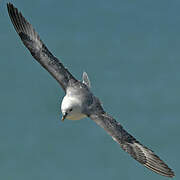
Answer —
71 109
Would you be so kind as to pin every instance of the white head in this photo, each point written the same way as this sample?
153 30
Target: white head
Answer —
71 108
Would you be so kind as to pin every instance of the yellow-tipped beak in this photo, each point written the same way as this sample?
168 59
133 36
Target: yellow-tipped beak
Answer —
64 117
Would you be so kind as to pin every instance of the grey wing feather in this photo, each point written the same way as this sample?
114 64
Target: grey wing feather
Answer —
129 144
38 50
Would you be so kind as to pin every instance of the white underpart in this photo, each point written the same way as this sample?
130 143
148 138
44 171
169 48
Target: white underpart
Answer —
76 105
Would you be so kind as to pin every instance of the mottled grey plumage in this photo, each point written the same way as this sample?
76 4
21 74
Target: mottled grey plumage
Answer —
79 97
38 50
129 144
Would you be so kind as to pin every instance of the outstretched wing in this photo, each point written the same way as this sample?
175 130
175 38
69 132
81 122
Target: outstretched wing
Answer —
129 144
38 49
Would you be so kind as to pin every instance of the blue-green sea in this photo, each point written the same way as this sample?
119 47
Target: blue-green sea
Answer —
131 52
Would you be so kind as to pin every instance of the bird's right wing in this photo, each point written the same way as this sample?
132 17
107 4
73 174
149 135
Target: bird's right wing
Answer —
37 48
129 144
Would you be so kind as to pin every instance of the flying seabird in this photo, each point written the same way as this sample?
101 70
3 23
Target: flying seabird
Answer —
79 101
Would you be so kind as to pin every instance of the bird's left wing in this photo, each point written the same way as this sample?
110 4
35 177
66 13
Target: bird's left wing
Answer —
129 144
37 48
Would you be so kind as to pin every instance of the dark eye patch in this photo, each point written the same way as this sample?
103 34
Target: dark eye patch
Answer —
70 110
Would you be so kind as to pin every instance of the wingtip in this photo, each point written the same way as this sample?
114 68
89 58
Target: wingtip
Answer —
169 173
12 9
10 5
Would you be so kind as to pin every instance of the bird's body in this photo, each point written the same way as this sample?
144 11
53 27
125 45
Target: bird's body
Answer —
79 101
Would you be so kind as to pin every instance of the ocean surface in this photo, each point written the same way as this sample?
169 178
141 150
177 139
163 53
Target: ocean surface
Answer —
131 52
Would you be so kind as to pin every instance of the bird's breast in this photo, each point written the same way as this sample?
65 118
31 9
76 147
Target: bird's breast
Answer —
76 116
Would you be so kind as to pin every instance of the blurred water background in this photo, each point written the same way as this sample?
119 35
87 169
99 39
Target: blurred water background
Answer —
130 50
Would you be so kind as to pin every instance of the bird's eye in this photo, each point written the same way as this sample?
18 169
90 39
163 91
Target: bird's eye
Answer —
70 110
